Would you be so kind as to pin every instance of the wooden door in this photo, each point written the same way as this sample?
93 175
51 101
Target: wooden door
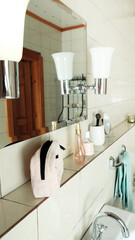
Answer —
25 116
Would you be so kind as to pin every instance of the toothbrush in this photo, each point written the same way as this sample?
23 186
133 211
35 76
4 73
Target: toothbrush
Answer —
98 116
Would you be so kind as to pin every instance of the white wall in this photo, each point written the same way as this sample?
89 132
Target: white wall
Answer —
111 23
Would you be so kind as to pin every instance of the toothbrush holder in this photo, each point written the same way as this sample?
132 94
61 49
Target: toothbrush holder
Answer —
97 135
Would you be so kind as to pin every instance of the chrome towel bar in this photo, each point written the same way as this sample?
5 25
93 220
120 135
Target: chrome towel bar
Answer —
112 161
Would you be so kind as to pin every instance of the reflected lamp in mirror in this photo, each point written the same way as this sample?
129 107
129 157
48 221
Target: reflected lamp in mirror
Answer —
12 16
101 62
64 68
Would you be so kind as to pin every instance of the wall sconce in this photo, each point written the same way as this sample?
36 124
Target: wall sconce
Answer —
12 15
64 68
101 62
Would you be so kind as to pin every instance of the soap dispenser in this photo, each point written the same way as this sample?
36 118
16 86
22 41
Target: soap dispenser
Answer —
79 151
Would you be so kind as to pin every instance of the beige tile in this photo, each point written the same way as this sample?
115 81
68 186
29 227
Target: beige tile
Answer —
26 229
66 36
63 215
89 191
15 163
35 37
65 137
23 195
67 175
11 212
71 164
85 221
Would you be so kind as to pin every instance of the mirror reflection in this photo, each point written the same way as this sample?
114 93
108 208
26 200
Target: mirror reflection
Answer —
50 27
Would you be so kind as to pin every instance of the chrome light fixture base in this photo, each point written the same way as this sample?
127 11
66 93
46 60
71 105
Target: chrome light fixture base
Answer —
65 87
9 79
99 87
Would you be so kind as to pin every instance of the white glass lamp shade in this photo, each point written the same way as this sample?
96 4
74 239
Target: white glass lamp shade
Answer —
64 65
101 61
12 15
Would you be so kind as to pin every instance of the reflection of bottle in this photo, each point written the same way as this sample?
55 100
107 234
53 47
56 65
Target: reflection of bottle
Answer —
88 144
54 125
79 151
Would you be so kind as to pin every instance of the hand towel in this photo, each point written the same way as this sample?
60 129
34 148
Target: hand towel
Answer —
123 182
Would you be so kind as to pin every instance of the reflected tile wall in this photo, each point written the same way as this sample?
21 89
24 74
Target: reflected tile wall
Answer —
111 25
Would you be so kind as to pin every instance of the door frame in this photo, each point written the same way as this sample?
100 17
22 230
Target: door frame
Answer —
37 96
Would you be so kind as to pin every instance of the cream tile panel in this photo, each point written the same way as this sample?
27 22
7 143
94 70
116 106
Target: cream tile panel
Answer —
111 9
121 67
88 191
27 35
35 37
3 126
66 36
62 215
84 222
27 21
4 140
65 137
78 33
67 174
45 29
14 163
11 212
45 41
34 24
23 195
26 229
66 46
124 25
2 106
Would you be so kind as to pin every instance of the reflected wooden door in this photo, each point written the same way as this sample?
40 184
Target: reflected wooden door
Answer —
25 116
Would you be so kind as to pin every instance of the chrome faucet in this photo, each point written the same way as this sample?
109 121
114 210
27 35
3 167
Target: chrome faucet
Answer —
99 229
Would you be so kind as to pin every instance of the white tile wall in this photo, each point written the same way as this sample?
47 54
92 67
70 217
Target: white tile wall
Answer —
89 190
26 229
109 24
75 41
15 162
46 40
68 215
62 215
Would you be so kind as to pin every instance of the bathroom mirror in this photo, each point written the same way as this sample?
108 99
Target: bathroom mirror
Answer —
50 27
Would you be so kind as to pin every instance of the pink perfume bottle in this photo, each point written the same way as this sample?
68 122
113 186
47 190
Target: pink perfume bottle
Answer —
79 151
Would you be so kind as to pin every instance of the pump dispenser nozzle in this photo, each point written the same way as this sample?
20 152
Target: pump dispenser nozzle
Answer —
77 128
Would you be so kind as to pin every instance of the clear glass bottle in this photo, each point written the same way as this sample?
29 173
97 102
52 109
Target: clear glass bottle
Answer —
88 144
79 151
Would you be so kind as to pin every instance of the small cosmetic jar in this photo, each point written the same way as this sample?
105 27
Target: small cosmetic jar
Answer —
131 118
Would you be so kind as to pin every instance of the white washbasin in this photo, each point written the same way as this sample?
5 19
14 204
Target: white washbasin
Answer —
113 231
